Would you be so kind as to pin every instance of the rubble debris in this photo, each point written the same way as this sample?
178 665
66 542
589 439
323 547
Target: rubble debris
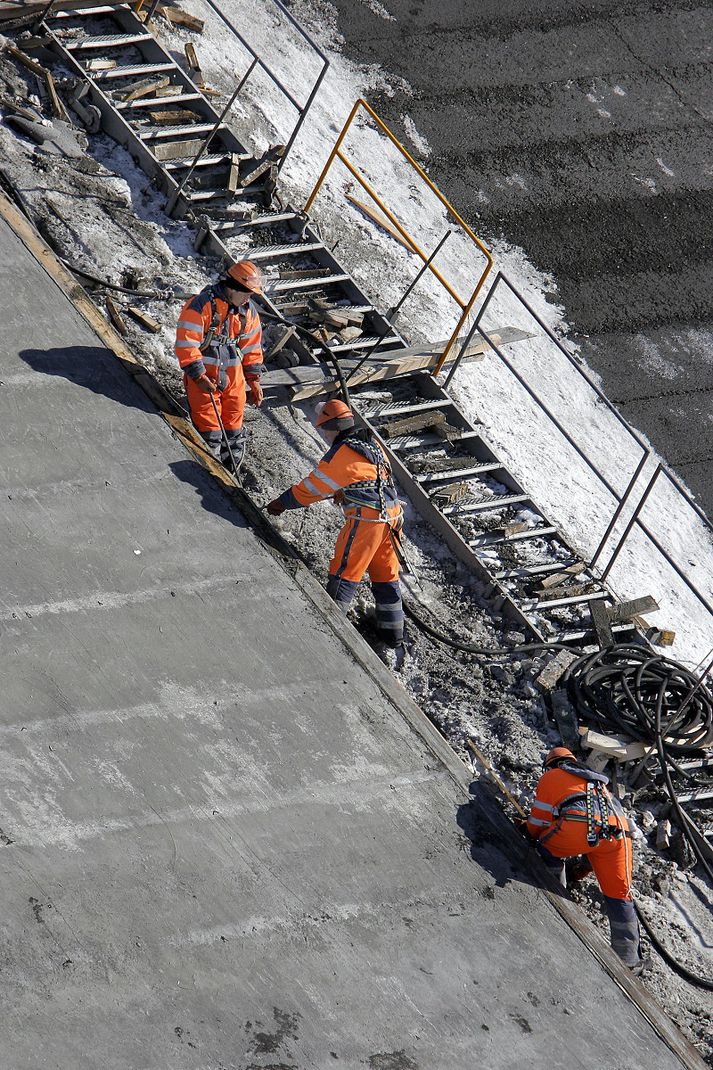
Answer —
451 493
663 834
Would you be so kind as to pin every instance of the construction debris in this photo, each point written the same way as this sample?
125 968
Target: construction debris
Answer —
144 88
624 611
192 58
617 747
554 670
177 17
116 317
143 318
557 578
381 221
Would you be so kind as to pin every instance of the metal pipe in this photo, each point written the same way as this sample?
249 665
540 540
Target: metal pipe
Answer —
634 517
151 11
620 508
171 203
395 311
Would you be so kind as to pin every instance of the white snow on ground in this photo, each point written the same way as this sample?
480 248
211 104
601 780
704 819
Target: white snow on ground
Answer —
550 468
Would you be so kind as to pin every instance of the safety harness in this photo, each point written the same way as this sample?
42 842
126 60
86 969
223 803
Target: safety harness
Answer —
361 442
217 339
591 807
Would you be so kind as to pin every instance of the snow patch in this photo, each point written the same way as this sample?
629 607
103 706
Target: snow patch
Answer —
417 140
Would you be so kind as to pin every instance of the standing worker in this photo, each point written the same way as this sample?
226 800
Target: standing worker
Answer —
219 349
356 474
574 813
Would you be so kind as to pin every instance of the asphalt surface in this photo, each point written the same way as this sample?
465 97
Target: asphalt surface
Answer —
224 845
582 132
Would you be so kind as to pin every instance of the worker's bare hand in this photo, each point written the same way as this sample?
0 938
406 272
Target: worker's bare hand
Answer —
275 508
256 394
205 384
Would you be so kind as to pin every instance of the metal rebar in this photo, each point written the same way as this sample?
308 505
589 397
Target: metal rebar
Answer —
620 508
634 517
171 203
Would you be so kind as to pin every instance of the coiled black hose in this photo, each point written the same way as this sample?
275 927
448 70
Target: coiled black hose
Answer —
653 699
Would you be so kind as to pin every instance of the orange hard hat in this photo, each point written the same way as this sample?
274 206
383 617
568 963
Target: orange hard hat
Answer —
247 275
557 754
334 415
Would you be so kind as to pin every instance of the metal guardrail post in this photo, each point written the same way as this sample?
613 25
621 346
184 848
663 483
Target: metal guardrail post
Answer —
471 332
336 153
633 519
395 311
619 509
302 109
171 203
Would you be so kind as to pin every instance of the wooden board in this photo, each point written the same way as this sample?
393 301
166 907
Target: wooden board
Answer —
309 380
381 221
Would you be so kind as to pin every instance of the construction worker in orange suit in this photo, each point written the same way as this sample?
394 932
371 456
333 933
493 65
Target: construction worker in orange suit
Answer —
219 349
356 474
573 813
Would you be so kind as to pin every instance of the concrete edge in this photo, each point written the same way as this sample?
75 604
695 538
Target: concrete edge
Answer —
357 647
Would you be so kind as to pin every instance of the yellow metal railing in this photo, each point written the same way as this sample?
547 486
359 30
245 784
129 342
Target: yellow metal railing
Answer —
336 153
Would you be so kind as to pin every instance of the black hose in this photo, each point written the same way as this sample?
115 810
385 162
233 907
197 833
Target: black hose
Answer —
676 966
331 355
470 648
161 295
653 699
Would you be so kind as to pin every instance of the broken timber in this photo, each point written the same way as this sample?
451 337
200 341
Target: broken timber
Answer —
308 381
381 221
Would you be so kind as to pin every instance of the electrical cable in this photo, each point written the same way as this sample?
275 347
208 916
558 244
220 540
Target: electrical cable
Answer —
652 699
470 648
331 355
159 295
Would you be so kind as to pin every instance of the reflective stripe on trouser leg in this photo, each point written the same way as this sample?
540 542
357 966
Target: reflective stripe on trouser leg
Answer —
624 927
554 864
342 591
389 610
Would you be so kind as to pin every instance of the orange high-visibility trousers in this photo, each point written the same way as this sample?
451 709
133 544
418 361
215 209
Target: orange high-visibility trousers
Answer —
364 545
230 402
611 859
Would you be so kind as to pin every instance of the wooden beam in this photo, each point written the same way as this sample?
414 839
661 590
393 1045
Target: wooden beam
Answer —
143 319
176 17
623 611
600 620
380 220
310 380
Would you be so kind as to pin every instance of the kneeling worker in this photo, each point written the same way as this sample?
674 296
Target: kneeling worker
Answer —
356 474
219 349
574 813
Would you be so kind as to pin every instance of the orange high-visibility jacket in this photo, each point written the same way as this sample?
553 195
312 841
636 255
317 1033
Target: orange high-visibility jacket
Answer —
350 466
564 787
240 332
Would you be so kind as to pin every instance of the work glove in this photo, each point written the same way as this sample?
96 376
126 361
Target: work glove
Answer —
521 826
275 508
256 394
205 384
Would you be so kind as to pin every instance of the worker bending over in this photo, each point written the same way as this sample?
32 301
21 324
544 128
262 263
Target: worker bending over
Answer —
355 473
574 813
219 349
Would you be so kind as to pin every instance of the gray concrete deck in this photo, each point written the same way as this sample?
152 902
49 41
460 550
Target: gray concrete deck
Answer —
223 846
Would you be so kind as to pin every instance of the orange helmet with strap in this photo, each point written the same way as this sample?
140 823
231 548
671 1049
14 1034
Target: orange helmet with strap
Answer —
556 755
247 275
333 415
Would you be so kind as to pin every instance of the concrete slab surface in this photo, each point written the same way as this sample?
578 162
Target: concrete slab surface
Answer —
222 845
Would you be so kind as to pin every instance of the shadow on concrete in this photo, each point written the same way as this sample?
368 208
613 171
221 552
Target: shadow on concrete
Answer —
92 367
212 495
496 846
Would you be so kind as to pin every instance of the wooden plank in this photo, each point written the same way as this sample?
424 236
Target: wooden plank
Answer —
555 579
408 425
116 317
624 611
309 381
144 88
171 118
192 57
380 220
177 17
100 65
600 620
554 670
56 106
143 318
567 592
